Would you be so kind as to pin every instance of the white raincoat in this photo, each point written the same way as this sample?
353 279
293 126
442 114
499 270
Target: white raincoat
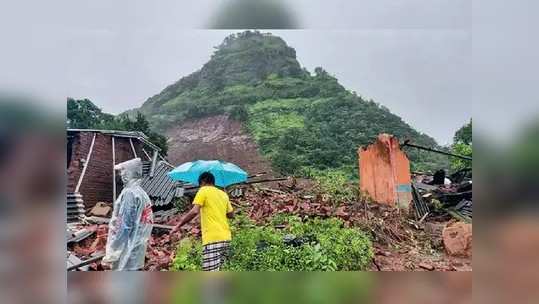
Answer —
131 222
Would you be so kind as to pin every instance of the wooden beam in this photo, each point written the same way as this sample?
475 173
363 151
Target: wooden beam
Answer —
189 187
133 147
154 161
265 180
87 262
106 220
85 164
147 155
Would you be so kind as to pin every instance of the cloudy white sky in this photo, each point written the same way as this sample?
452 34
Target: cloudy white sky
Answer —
417 57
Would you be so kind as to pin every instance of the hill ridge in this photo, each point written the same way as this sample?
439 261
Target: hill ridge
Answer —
302 122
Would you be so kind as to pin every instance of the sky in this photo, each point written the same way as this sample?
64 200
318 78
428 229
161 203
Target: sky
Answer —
416 57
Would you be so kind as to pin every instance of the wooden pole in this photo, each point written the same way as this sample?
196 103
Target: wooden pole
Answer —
146 153
154 161
133 147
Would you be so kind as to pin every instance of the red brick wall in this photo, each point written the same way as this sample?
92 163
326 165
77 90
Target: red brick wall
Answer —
97 183
80 147
384 171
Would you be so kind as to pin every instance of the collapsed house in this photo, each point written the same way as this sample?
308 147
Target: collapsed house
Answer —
385 176
91 179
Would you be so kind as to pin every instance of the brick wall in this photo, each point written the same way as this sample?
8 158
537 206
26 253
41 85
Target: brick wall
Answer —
97 185
384 172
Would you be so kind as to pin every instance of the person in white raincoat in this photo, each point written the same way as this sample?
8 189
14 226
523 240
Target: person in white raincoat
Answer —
131 223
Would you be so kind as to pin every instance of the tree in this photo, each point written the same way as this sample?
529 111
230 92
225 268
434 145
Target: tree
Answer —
462 145
320 72
464 134
83 114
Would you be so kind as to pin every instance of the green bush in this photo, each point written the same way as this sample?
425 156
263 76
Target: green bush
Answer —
311 245
188 256
461 149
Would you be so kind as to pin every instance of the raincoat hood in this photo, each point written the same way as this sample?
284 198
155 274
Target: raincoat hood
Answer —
130 171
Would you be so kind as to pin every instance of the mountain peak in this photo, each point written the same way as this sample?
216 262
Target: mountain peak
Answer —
245 58
248 58
244 41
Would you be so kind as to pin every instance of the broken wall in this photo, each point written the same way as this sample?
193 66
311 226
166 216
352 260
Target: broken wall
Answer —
384 172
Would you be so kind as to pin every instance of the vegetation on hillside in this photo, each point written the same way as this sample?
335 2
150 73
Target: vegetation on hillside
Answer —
301 121
83 114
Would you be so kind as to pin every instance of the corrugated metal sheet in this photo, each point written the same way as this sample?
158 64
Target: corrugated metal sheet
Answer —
160 188
75 207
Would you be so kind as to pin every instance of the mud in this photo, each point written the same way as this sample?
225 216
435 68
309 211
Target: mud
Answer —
216 137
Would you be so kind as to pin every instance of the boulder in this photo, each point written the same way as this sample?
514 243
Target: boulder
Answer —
457 238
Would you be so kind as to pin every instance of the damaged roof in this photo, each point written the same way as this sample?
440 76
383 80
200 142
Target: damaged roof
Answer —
160 188
129 134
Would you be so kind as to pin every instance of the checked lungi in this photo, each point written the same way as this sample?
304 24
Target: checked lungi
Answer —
214 255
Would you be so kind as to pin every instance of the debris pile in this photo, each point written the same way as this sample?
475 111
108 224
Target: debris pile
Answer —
87 239
444 195
400 242
387 225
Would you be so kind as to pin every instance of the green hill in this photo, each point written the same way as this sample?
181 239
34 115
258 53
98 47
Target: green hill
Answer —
301 121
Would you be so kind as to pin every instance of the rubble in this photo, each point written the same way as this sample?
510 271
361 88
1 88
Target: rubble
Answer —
434 232
163 216
400 243
454 198
74 261
76 235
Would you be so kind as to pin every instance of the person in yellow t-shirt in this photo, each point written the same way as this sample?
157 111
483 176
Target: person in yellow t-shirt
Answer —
214 208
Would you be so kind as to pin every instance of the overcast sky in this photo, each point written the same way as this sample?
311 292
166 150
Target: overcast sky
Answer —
413 56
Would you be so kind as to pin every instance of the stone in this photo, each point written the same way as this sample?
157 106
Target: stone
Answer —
426 266
457 239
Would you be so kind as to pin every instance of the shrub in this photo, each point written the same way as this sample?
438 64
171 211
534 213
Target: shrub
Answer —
461 149
334 185
188 256
311 245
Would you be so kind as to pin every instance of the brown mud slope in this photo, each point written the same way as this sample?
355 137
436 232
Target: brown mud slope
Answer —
216 137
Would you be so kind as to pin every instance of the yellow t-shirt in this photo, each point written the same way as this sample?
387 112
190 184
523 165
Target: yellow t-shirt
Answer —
214 205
